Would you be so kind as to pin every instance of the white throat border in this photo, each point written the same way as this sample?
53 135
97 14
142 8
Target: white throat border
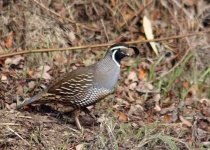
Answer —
115 48
113 58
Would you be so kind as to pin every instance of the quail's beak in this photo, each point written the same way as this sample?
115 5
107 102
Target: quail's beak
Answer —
125 51
127 54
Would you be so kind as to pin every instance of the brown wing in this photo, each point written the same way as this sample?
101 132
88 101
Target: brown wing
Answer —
68 89
73 86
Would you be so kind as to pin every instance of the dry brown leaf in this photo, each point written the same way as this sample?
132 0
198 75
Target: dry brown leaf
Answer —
144 87
121 116
157 107
167 104
16 60
31 73
19 90
102 118
42 72
186 85
142 74
149 86
72 36
59 58
132 86
193 89
157 100
128 16
31 84
131 77
130 96
185 121
167 118
11 106
156 15
139 100
205 100
8 61
44 68
8 41
157 97
121 101
113 2
4 79
167 110
135 109
43 75
80 147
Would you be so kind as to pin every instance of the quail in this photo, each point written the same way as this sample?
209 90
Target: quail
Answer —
87 85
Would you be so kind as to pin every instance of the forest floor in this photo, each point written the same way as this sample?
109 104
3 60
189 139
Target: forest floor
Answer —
161 101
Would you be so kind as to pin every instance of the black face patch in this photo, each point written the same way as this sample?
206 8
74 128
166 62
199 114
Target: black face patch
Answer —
119 55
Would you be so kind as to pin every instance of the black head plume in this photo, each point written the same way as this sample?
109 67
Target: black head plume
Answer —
135 49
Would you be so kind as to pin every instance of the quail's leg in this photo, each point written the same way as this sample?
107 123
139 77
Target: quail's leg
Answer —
89 113
76 116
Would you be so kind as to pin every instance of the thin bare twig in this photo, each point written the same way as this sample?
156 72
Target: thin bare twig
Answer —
28 117
8 124
100 45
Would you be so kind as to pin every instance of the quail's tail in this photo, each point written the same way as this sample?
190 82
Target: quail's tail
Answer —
33 99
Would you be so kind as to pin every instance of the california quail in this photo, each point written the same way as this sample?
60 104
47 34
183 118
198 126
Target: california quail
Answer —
85 86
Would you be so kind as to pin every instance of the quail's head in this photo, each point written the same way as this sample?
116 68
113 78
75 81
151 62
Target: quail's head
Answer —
118 51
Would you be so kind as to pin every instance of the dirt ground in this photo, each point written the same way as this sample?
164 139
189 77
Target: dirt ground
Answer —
161 101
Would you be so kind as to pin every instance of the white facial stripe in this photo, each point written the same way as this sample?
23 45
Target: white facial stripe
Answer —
113 57
117 47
